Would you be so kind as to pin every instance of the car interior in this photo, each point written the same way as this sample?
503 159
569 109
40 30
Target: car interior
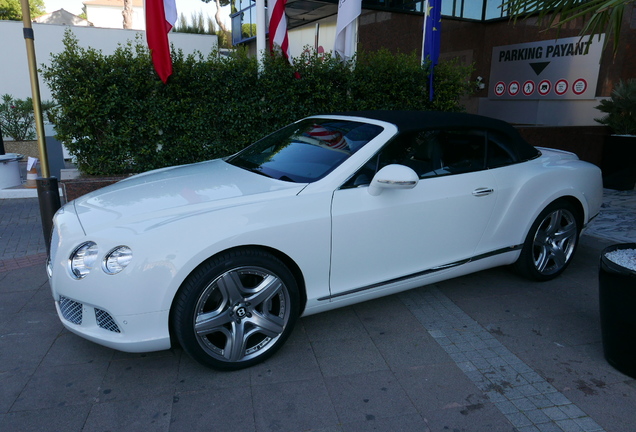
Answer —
438 152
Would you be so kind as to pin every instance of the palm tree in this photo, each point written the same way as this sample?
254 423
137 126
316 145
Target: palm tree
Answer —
128 14
217 15
600 16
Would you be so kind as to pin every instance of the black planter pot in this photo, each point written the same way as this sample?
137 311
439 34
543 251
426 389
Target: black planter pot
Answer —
617 301
619 162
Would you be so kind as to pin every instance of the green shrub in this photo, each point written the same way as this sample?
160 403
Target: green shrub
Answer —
16 117
116 116
620 109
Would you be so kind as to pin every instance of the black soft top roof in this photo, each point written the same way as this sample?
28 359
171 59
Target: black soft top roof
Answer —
416 120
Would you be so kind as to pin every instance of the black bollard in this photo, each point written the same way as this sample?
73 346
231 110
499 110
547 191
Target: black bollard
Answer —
2 152
49 199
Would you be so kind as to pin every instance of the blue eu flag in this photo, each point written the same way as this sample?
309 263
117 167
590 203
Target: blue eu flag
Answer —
432 32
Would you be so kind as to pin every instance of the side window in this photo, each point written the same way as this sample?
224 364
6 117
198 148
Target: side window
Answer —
464 151
419 150
499 150
430 153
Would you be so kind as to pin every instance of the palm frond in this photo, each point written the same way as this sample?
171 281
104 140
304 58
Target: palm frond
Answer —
601 16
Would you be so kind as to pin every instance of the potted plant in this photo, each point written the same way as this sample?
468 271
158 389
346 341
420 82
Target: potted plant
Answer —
617 303
619 149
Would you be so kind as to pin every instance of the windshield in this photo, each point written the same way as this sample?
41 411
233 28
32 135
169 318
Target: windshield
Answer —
306 151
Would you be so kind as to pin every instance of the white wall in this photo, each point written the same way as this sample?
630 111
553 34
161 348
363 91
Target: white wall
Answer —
14 69
301 37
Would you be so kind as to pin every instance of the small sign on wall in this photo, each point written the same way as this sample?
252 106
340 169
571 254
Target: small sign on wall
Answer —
554 69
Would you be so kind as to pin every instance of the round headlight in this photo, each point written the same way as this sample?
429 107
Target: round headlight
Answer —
117 259
83 259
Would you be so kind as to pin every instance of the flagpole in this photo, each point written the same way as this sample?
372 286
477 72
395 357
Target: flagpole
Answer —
424 30
48 193
35 87
260 32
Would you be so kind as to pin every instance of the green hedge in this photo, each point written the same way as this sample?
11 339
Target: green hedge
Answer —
116 116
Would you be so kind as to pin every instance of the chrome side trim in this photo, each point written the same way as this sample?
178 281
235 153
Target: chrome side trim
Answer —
400 183
423 273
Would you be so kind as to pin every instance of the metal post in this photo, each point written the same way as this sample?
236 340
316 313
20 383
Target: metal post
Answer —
261 25
2 152
48 194
49 199
35 87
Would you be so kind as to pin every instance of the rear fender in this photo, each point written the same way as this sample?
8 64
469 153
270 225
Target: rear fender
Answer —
523 198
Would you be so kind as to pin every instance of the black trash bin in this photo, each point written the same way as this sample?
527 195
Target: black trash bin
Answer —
617 298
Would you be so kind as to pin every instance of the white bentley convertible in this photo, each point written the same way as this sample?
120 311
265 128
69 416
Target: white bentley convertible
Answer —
223 256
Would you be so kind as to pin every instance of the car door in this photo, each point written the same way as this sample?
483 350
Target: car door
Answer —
403 232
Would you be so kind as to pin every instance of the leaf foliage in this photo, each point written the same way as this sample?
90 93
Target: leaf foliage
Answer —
116 116
620 108
599 16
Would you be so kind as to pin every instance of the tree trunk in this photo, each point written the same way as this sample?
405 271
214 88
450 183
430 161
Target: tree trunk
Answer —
217 17
128 14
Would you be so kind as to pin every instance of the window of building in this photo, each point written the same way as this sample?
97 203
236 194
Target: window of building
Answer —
244 12
243 21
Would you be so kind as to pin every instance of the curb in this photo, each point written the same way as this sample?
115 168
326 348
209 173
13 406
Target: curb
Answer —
22 262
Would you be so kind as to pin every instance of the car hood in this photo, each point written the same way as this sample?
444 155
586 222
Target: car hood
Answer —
177 192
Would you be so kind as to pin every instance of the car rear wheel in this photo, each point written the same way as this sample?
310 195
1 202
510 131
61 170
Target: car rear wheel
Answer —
551 242
236 310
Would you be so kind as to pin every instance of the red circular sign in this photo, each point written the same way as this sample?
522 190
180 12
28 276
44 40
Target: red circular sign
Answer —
513 88
561 87
528 87
579 86
500 88
544 87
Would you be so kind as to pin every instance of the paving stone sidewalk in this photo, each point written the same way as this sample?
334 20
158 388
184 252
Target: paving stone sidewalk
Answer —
21 238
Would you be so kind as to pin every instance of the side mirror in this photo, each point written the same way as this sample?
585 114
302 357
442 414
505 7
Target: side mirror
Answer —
393 177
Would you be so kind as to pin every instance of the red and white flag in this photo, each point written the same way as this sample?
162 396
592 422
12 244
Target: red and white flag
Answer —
332 138
348 11
160 18
278 38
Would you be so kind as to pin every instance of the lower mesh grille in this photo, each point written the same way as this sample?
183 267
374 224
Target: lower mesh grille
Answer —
71 310
105 321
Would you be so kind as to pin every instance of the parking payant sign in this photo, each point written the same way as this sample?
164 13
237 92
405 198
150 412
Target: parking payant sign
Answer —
528 88
561 87
513 88
579 86
554 69
500 88
544 87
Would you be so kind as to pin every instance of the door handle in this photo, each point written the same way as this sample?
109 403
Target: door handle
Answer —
482 192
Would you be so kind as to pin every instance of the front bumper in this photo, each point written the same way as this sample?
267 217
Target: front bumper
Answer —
133 333
115 311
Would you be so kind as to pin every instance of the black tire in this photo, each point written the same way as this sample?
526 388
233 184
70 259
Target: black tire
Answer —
236 309
551 242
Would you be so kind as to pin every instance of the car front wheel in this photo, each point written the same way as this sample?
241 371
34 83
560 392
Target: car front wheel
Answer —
236 309
551 242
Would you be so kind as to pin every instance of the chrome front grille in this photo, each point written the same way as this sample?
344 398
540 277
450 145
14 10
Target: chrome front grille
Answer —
106 321
71 310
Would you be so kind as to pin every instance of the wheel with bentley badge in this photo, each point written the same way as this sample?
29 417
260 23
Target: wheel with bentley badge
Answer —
236 309
551 242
